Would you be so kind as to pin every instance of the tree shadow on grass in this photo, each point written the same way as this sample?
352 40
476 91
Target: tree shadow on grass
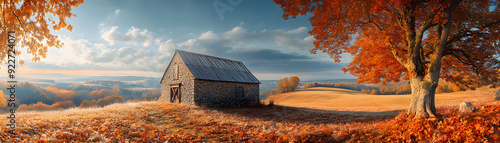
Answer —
279 113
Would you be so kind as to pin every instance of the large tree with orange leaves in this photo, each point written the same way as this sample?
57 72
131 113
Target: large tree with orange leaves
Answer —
30 20
416 40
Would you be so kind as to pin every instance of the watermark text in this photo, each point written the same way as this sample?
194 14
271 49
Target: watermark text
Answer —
221 7
12 81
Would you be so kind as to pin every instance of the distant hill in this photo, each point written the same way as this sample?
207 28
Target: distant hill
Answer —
331 81
52 78
271 84
121 78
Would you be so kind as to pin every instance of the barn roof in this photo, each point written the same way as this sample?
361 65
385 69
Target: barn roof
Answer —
214 68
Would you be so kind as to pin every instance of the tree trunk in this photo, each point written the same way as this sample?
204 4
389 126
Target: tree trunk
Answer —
422 98
423 88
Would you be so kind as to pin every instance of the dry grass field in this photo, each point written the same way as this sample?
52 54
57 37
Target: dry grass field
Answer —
338 99
160 122
319 115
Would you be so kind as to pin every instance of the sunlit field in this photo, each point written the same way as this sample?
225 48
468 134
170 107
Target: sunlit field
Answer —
309 70
350 100
158 121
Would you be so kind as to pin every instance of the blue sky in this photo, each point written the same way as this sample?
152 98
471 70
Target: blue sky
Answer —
138 38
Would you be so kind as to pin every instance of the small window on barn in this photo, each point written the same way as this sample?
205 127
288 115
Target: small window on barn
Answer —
175 72
240 92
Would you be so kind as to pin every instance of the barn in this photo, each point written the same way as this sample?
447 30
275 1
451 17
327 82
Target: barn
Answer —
197 79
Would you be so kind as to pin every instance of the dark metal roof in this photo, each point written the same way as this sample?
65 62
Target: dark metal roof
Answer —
214 68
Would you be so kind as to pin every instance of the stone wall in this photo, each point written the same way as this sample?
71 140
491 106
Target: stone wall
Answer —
184 78
221 93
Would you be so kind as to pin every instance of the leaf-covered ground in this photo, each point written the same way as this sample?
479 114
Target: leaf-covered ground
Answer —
481 126
160 122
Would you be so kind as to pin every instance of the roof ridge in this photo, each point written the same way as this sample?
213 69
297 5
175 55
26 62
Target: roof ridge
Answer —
207 55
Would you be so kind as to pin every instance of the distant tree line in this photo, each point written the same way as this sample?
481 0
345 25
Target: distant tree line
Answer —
376 89
110 83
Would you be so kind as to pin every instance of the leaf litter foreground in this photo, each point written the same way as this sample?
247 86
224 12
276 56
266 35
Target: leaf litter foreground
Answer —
160 122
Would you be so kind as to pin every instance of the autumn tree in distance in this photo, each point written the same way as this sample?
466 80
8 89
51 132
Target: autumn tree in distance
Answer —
31 20
287 84
416 40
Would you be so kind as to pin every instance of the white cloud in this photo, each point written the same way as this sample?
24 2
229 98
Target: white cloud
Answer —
297 31
208 35
295 43
117 11
289 48
77 53
73 52
133 36
166 48
240 37
189 43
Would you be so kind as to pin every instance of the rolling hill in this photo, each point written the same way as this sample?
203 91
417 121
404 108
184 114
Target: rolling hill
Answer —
351 100
157 121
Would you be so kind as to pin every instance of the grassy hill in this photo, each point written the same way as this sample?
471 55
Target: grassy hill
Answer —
338 115
159 122
351 100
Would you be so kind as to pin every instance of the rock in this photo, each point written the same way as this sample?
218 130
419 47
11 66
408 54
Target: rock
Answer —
466 107
497 95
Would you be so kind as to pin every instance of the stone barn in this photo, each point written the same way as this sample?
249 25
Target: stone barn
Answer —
198 79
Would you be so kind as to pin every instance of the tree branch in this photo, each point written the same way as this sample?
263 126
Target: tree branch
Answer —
420 34
3 9
401 60
365 23
435 59
466 33
465 54
428 23
20 23
467 61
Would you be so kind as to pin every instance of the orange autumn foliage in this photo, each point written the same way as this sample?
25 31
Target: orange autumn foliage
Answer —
481 126
421 41
39 106
167 122
61 94
387 30
287 84
3 101
294 82
31 20
101 93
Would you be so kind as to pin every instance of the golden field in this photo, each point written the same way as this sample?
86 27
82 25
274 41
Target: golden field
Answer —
319 115
339 99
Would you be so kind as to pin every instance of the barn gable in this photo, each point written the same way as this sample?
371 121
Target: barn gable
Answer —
170 64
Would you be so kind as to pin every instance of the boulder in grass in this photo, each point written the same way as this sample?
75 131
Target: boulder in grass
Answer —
466 107
497 95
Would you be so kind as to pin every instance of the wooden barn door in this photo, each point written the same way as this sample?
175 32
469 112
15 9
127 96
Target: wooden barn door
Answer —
175 93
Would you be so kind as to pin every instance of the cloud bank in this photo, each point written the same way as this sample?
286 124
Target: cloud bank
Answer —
265 52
